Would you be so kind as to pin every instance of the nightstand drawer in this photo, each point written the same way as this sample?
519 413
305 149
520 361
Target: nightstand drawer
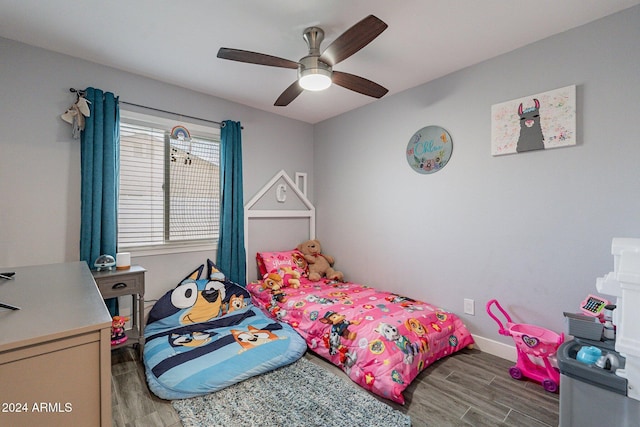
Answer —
124 284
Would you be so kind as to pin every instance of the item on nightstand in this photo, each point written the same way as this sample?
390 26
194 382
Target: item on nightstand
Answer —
531 341
123 260
118 336
320 265
105 263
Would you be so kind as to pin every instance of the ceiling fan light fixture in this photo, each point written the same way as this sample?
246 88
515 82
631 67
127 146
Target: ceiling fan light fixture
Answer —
315 71
315 79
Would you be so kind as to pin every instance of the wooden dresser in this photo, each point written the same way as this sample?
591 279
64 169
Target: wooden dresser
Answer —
55 353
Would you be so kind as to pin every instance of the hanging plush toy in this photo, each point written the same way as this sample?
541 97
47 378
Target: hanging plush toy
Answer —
75 115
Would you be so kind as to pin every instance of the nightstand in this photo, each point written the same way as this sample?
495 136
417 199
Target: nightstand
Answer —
117 283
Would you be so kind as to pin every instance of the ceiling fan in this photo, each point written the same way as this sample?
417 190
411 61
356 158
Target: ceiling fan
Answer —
315 71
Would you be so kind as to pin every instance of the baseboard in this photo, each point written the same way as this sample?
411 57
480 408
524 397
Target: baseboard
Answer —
496 348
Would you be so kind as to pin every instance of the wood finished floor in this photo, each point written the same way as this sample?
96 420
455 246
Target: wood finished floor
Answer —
471 388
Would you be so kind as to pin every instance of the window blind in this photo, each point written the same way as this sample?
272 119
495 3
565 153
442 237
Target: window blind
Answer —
169 188
194 190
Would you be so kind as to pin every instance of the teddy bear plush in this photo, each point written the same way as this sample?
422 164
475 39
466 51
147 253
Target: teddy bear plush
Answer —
320 265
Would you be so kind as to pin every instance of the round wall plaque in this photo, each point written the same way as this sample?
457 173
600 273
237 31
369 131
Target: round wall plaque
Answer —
429 149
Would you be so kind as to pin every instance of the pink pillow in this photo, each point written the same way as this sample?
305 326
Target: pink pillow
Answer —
270 261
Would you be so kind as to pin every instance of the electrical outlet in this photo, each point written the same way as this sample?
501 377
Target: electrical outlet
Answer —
469 307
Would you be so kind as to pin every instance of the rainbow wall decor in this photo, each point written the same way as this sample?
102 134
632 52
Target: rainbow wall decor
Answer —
180 132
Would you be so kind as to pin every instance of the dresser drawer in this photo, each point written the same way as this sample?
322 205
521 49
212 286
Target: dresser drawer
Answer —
118 285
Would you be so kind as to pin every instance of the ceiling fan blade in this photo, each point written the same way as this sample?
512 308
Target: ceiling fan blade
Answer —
289 95
354 39
255 58
359 84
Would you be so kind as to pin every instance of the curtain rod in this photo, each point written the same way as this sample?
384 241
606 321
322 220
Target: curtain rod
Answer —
221 124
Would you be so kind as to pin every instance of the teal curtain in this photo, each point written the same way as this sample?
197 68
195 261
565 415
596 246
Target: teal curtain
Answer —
231 258
100 159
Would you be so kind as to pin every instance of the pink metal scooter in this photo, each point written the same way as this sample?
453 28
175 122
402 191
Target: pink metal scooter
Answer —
531 341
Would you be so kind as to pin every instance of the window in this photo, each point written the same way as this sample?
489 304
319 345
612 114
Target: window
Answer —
169 195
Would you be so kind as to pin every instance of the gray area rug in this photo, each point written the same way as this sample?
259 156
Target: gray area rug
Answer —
300 394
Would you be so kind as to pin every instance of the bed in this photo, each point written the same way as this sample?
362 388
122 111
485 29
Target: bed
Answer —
206 335
381 340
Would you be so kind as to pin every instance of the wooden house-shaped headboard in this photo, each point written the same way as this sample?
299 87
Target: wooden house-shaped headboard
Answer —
274 201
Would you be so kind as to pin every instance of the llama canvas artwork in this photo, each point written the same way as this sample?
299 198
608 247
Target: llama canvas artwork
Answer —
535 122
531 137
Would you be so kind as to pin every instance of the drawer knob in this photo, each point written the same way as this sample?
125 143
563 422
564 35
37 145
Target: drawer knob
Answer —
119 285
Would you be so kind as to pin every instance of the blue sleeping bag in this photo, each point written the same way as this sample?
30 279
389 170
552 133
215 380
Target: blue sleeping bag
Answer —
206 335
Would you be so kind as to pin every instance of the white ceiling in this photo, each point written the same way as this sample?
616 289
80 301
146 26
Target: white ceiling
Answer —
177 42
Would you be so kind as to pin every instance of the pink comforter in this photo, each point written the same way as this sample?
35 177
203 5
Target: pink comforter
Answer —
381 340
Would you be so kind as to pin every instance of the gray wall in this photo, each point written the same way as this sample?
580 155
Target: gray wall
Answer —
533 230
40 168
